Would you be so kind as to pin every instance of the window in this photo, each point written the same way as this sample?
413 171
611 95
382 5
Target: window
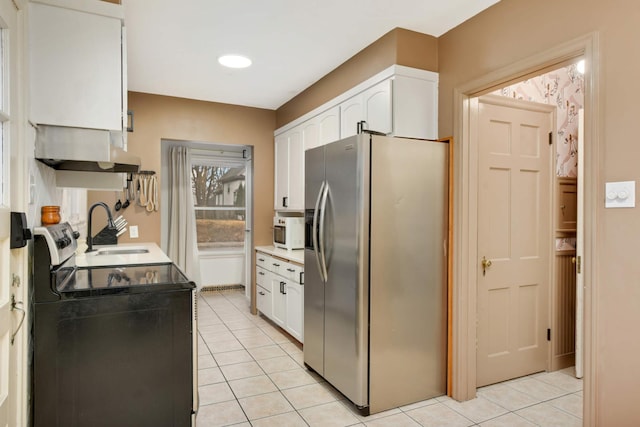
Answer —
219 203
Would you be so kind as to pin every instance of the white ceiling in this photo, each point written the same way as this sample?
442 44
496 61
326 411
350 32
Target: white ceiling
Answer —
173 45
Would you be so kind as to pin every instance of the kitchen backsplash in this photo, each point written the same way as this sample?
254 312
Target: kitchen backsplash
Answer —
563 88
72 201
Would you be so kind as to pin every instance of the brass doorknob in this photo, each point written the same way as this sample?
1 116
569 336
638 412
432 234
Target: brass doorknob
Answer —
486 263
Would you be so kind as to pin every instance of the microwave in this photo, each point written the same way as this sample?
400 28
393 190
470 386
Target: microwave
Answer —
288 232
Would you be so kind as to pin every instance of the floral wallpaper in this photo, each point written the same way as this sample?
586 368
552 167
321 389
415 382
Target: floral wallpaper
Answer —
563 88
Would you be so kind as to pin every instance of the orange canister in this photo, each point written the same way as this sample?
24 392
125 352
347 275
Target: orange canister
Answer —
50 215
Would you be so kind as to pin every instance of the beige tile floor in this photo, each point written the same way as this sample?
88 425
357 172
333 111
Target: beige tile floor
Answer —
252 374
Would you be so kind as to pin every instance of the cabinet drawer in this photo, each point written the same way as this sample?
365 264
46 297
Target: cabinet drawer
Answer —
262 278
276 266
263 260
293 272
263 301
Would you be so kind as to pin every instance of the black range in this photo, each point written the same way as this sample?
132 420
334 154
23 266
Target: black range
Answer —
111 345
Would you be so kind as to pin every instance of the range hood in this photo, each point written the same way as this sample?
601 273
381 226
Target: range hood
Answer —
80 149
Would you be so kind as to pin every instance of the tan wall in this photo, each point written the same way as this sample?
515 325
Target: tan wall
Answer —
398 46
517 29
158 117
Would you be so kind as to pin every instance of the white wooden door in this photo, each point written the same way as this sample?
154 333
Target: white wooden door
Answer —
579 354
6 322
12 366
514 238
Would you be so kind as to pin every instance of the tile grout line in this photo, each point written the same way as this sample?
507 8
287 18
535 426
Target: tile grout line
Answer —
265 373
262 327
271 380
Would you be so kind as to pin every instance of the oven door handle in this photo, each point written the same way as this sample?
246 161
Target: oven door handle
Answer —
64 283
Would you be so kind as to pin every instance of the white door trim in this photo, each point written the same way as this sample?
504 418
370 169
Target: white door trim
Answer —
465 216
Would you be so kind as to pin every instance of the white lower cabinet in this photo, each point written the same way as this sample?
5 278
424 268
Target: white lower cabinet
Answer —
280 292
263 291
294 307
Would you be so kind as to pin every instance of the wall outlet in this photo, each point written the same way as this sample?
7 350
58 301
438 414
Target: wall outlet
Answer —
133 231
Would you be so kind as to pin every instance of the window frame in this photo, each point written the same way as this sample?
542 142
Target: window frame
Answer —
200 158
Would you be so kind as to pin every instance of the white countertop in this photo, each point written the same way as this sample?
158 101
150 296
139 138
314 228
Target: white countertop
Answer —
296 255
154 255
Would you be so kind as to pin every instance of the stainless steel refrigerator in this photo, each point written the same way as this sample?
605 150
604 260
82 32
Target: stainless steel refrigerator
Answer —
376 211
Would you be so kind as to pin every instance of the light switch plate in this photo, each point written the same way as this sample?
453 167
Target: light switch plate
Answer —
133 231
620 194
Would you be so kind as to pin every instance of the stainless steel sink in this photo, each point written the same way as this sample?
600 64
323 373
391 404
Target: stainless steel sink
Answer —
123 251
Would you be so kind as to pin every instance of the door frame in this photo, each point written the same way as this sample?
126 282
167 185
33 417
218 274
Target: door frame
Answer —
465 217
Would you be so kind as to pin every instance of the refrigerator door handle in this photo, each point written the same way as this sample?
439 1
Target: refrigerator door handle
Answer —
323 209
314 231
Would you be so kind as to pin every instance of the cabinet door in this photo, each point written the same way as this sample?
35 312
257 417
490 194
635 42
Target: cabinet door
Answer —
295 307
378 107
310 134
75 68
279 297
263 301
329 126
415 107
351 112
567 204
296 171
281 171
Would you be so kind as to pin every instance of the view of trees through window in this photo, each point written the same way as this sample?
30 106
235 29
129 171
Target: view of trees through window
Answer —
219 198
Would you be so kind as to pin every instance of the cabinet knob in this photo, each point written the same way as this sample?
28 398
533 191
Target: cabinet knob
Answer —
291 270
276 265
261 273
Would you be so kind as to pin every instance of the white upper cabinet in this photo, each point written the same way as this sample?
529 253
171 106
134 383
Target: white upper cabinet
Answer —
373 107
328 126
281 170
321 129
399 101
415 106
310 135
296 171
351 112
76 66
289 171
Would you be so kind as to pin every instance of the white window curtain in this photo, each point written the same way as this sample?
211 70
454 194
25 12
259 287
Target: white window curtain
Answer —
182 242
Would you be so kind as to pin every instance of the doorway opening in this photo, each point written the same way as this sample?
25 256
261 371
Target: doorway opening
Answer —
562 88
467 259
222 187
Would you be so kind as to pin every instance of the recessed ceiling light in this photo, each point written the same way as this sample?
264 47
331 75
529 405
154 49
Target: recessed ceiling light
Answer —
234 61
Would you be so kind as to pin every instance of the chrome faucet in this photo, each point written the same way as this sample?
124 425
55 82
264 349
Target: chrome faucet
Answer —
110 223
